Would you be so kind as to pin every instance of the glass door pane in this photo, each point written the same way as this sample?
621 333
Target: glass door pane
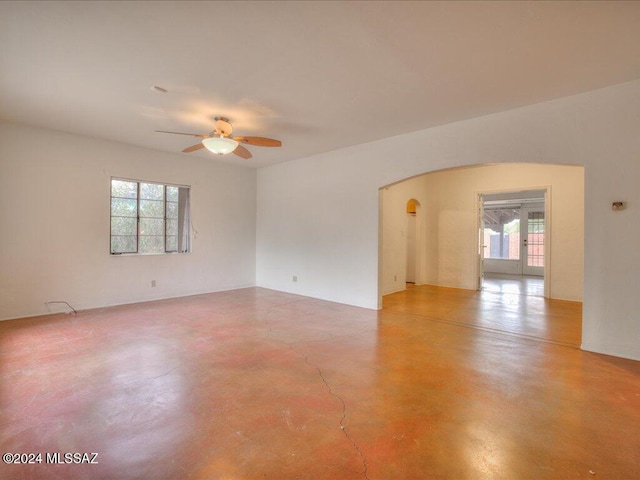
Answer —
535 239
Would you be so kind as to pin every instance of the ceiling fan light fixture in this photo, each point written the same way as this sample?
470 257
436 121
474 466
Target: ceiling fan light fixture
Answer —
220 145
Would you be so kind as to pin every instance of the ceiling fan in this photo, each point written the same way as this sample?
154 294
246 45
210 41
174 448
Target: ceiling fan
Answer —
221 142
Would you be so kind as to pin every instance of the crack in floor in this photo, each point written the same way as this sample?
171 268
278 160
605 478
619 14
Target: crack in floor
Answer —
163 374
324 380
344 416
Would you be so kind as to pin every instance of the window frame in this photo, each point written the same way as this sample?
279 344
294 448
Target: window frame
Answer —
137 217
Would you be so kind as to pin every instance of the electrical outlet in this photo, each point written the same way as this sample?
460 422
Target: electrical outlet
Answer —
395 278
295 278
153 283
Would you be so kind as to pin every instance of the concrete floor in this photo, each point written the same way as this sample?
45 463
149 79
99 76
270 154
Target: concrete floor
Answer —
515 284
257 384
504 309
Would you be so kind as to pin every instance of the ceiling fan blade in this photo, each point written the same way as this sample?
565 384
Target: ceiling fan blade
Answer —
242 152
193 148
259 141
180 133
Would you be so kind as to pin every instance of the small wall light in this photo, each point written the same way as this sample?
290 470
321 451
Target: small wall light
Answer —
412 205
618 206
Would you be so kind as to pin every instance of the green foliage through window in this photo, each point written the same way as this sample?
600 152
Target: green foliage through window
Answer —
149 217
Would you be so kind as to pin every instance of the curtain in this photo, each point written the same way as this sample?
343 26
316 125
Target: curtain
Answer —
184 220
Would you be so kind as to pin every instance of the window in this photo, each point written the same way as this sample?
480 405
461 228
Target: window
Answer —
149 217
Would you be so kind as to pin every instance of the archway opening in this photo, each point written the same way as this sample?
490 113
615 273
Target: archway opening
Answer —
449 253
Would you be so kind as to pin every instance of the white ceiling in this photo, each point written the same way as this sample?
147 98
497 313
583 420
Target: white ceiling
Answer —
317 75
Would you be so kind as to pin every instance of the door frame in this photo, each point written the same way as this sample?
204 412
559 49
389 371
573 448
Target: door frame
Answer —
479 265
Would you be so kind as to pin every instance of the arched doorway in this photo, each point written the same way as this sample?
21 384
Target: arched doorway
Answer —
450 244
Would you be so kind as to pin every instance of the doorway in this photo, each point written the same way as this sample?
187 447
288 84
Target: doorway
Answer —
412 254
512 247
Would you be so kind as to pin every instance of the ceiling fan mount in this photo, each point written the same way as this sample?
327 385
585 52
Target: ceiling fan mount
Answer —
220 141
223 127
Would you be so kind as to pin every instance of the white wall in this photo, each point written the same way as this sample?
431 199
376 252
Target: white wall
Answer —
448 202
318 216
511 267
54 224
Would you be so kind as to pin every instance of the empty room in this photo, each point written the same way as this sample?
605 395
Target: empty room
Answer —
319 240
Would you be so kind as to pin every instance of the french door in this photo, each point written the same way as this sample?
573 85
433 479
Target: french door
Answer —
533 241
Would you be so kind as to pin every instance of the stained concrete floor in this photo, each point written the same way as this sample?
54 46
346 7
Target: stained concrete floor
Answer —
504 310
257 384
514 284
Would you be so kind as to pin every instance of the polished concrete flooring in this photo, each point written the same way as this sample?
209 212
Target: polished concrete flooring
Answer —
257 384
513 284
504 309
